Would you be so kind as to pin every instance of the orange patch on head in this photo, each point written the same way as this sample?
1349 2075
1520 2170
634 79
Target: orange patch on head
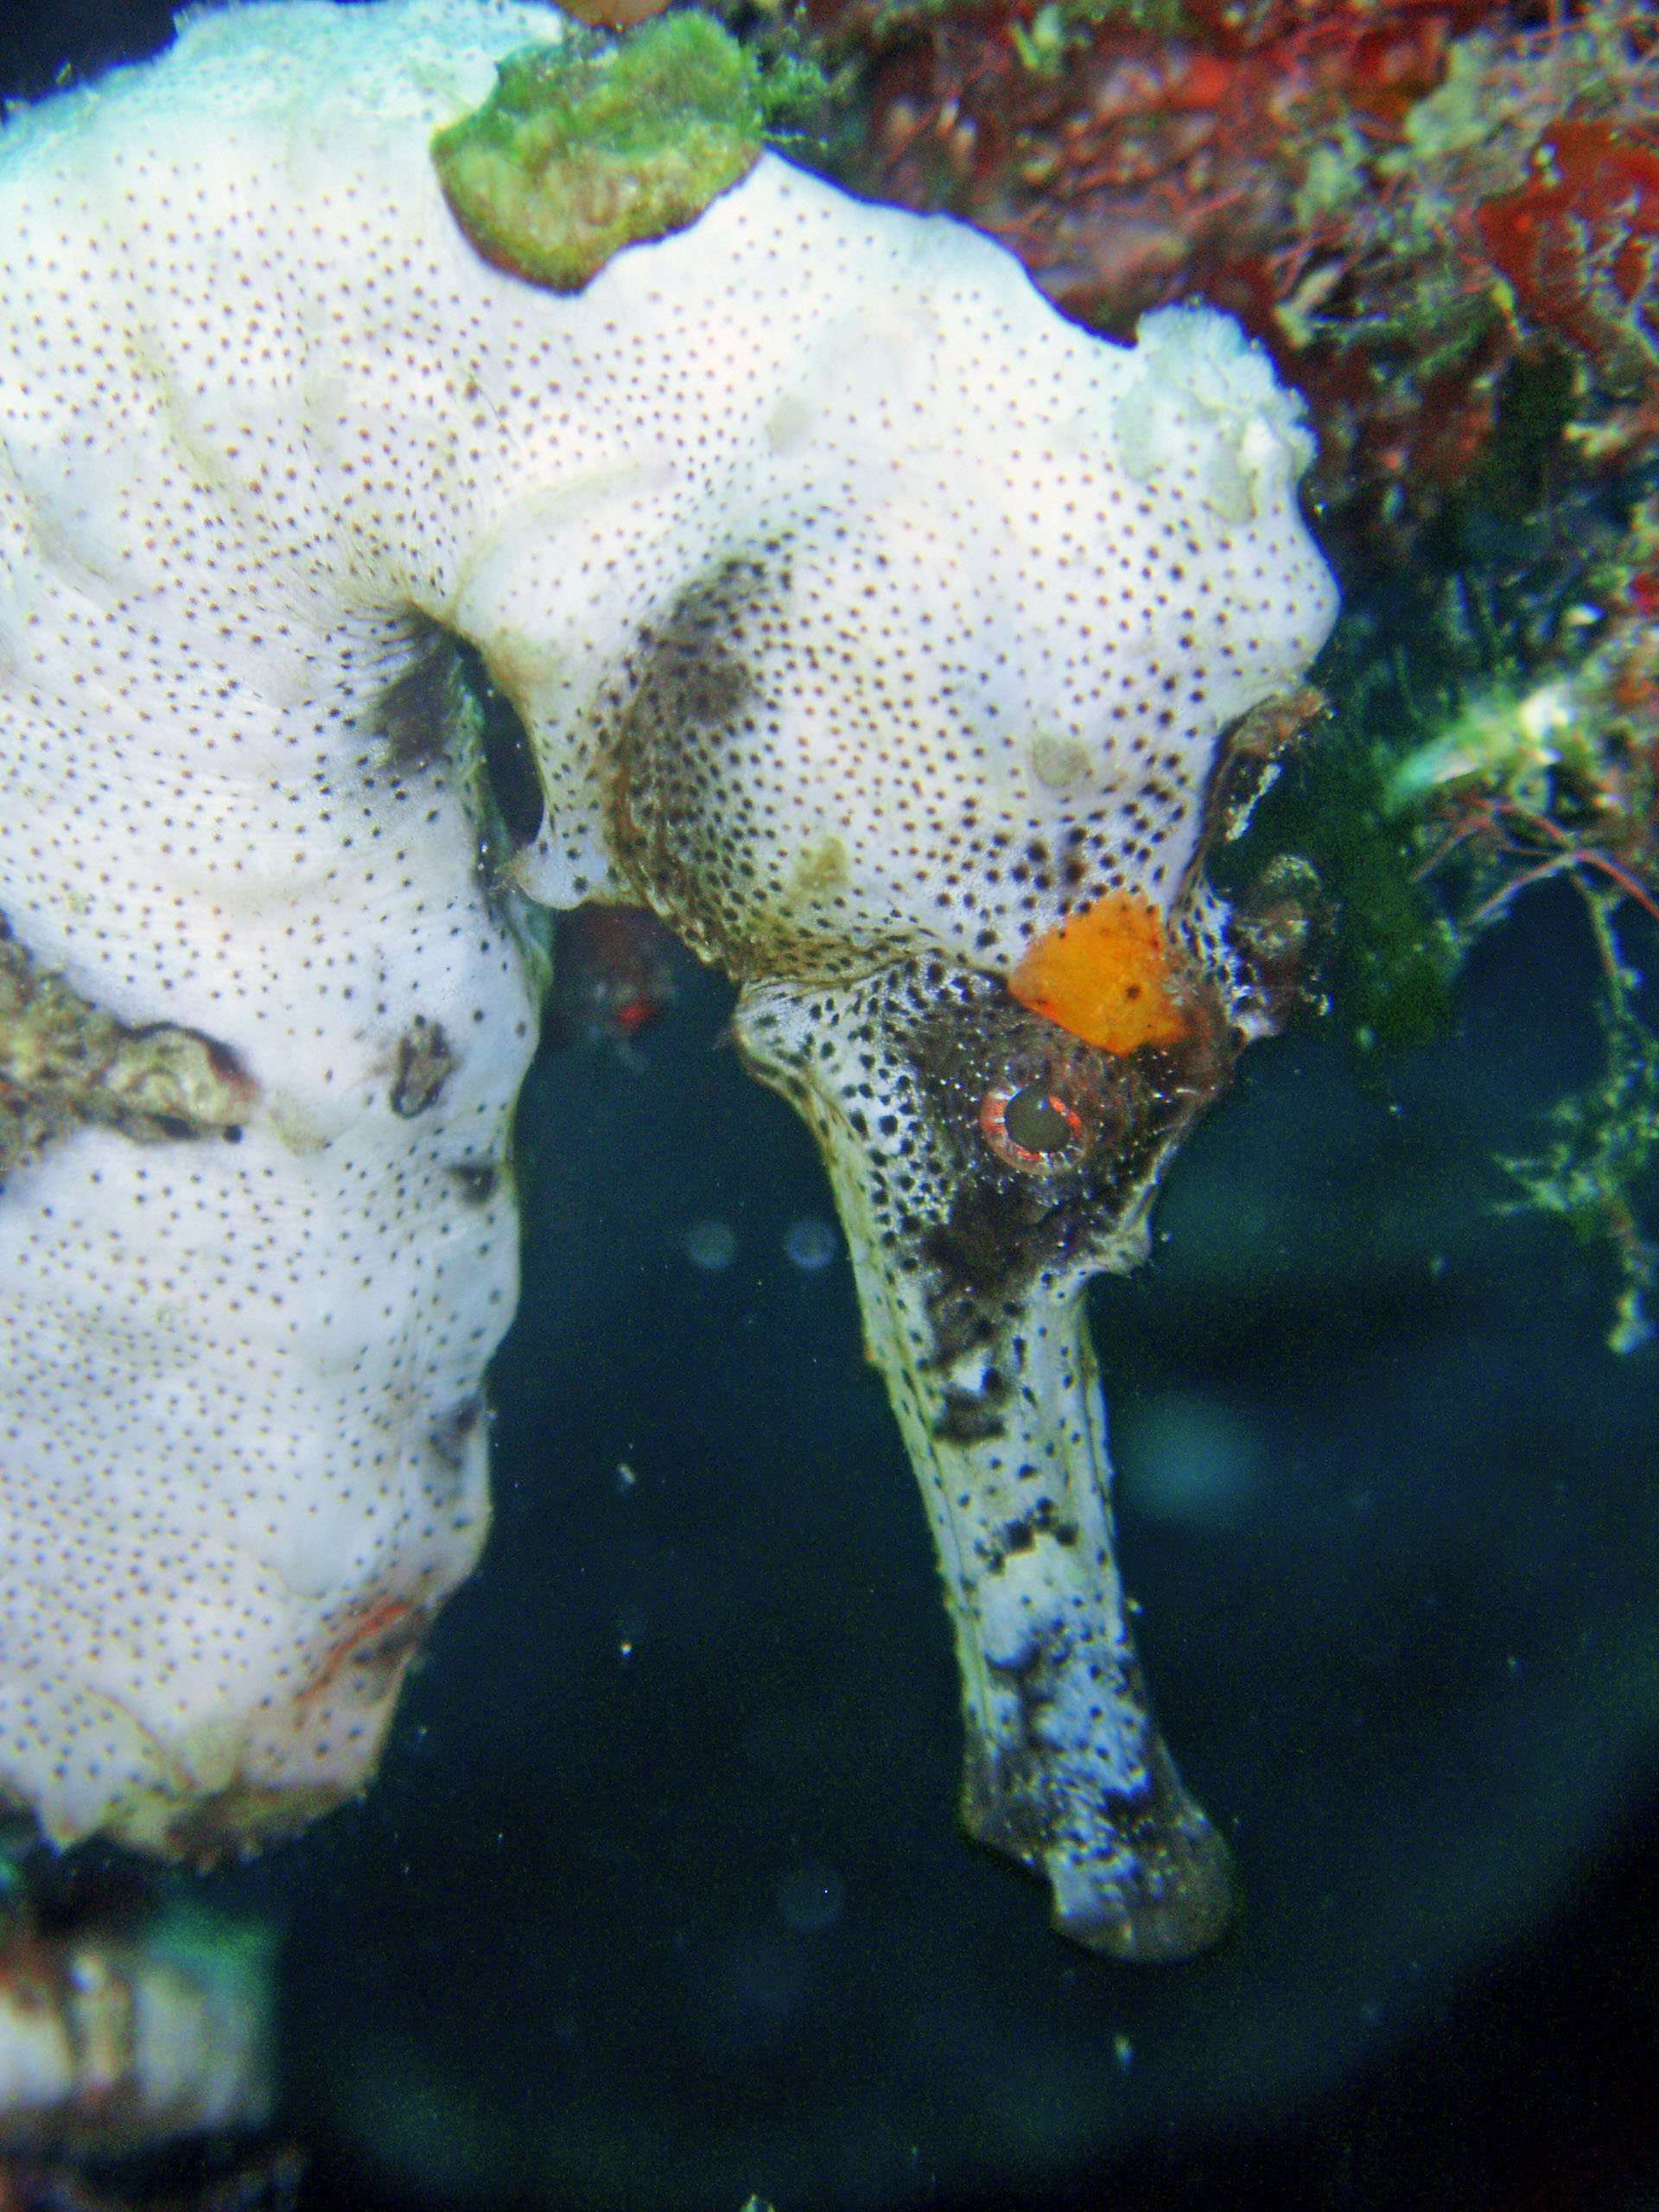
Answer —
1109 976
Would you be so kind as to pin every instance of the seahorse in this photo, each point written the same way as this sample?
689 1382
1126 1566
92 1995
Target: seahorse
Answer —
372 580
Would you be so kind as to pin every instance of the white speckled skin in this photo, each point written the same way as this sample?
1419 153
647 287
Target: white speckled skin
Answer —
980 580
242 1457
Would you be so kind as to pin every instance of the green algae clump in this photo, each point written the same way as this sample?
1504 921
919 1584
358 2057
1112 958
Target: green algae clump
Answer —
64 1061
591 145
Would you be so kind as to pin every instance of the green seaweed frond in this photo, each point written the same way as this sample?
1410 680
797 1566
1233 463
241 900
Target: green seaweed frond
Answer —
1535 763
1604 1142
1396 954
795 95
1059 26
1054 30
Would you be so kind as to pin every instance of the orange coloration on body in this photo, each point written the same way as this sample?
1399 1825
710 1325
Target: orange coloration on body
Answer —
386 1632
1107 974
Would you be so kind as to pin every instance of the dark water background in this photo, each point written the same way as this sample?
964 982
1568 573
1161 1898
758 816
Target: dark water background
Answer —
660 1899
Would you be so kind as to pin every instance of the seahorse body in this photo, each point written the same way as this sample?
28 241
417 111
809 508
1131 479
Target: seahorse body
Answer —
855 613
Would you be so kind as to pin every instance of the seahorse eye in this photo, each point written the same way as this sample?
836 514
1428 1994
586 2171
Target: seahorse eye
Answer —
1033 1129
1037 1122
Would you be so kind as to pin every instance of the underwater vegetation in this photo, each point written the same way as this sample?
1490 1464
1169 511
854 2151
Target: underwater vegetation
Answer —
1401 200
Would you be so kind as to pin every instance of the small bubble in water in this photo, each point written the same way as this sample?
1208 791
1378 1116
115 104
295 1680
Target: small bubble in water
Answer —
809 1896
809 1244
710 1245
1191 1463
